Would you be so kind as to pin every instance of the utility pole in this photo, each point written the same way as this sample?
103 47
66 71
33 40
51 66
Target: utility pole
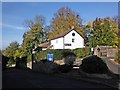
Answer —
92 37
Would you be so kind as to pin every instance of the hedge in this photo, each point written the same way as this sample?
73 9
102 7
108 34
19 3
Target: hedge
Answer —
59 54
82 52
5 60
21 62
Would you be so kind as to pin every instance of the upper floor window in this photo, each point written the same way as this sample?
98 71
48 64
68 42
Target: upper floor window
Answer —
73 40
73 34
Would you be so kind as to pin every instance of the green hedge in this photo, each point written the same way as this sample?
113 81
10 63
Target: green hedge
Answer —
58 54
82 52
61 53
5 60
66 53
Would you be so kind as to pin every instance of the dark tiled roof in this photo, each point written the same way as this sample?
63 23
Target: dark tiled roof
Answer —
65 33
44 45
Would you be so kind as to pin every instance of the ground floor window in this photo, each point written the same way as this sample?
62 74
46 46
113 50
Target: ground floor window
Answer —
67 44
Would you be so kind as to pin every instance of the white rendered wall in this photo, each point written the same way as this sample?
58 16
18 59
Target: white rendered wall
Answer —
57 43
78 43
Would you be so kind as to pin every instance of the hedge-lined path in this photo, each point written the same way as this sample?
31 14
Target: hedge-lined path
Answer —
16 78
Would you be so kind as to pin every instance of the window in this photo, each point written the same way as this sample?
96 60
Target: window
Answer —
67 44
73 40
73 34
56 41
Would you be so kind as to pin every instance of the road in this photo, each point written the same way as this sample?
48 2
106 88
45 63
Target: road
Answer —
16 78
0 75
114 67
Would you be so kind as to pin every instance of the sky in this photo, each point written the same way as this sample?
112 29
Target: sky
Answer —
15 13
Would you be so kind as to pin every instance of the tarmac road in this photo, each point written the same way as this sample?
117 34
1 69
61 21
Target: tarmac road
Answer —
0 75
112 65
16 78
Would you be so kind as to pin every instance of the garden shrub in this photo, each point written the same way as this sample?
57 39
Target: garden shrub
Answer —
58 54
69 57
4 62
93 64
82 52
65 68
21 62
11 61
117 57
66 53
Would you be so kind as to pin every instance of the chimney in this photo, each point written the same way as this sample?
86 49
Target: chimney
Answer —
72 27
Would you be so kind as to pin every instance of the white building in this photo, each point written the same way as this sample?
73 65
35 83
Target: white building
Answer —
66 40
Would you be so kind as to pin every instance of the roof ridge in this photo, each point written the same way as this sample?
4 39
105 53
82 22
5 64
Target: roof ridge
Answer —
62 34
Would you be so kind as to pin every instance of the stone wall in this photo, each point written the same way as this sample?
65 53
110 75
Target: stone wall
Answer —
105 51
60 62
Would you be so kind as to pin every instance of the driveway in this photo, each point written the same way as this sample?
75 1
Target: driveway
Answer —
16 78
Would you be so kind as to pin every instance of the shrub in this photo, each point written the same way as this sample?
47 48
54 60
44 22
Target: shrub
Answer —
65 68
4 62
11 61
82 52
69 57
45 66
58 54
21 62
117 57
66 53
94 64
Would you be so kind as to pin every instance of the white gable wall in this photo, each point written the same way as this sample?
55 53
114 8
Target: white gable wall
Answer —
57 43
78 40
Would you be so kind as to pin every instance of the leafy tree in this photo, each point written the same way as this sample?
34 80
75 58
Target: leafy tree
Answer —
9 52
104 32
118 34
116 23
48 29
117 58
19 53
87 31
11 49
35 35
63 20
